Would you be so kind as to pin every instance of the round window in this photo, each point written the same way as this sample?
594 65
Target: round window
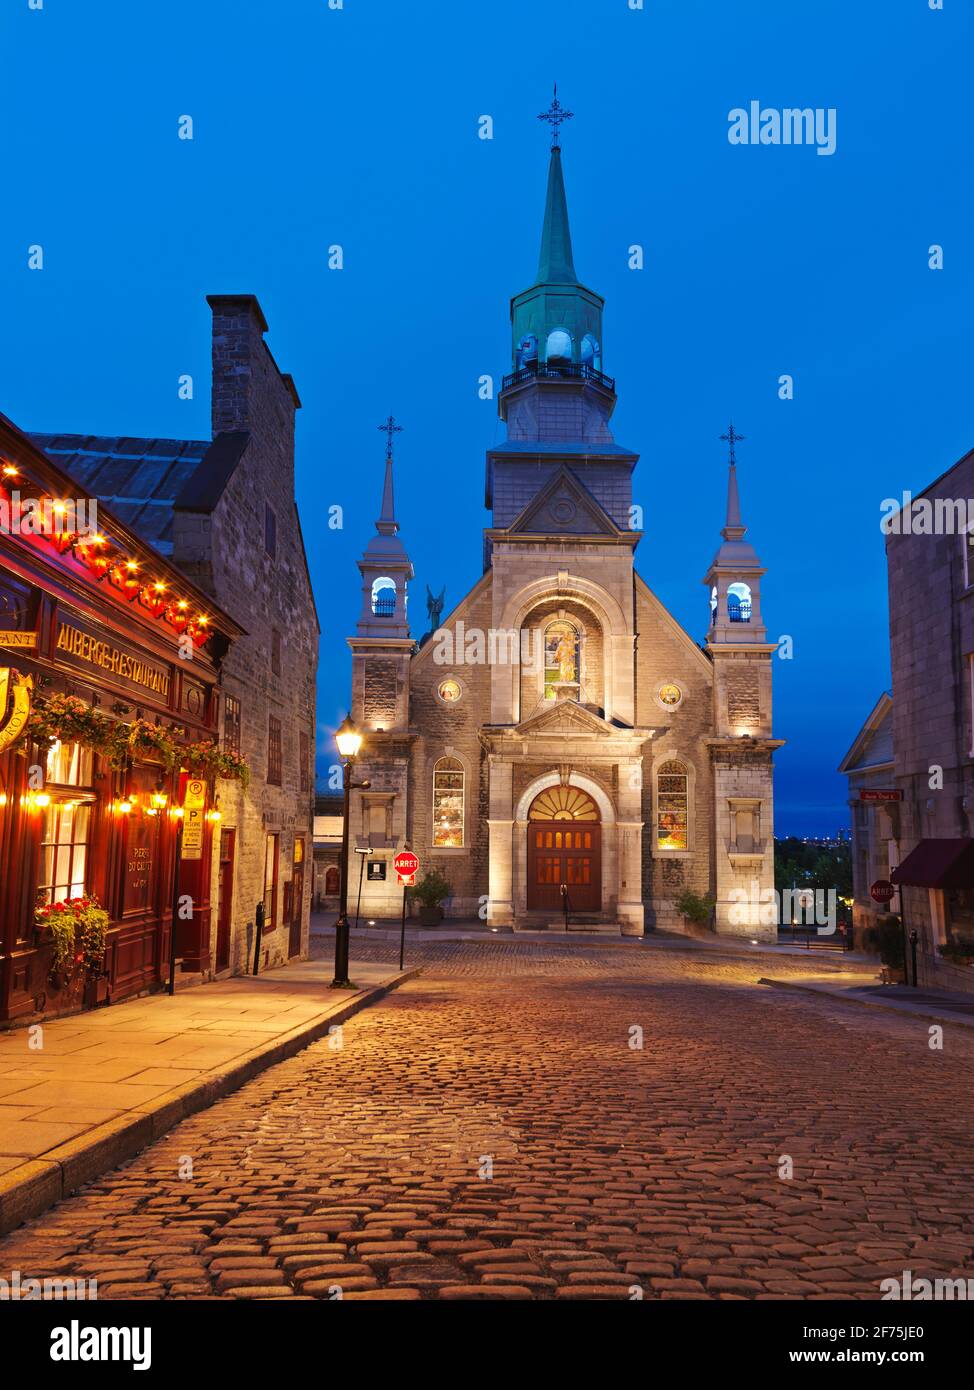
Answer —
449 691
670 695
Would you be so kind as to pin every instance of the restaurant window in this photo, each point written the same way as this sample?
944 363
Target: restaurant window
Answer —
270 882
274 750
448 803
275 651
231 725
67 822
270 531
672 804
305 759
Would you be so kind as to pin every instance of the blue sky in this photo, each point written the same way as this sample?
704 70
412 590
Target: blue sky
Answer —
359 126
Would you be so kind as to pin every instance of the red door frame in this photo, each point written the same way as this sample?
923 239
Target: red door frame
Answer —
228 850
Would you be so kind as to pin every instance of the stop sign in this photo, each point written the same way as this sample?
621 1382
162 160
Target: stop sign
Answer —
882 890
406 864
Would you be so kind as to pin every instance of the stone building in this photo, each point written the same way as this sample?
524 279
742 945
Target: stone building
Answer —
560 732
223 512
930 563
874 809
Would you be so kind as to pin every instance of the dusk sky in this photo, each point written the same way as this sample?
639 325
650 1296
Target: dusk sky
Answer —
359 127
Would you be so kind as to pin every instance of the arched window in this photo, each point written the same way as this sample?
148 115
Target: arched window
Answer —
527 350
591 352
562 666
672 806
448 803
713 605
739 602
559 347
384 597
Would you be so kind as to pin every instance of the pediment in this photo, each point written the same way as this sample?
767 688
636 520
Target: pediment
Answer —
566 716
564 507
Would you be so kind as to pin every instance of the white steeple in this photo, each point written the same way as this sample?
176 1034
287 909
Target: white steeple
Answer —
734 576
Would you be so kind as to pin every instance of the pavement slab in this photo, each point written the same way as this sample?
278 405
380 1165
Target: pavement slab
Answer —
77 1095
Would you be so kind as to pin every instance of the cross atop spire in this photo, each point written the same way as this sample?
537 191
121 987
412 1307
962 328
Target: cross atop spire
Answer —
732 438
733 530
554 115
389 429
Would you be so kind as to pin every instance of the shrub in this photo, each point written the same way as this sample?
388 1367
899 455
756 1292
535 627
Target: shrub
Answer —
431 889
889 939
695 907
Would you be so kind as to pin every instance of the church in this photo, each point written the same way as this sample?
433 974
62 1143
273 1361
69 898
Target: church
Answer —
559 744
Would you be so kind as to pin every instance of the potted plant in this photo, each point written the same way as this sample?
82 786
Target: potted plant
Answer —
429 892
889 939
695 909
78 931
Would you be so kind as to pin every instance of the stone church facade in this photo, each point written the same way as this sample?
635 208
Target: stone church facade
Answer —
560 734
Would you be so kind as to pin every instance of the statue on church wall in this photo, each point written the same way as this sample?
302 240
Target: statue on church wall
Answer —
434 606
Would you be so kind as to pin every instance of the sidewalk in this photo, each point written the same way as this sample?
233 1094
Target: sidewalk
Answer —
453 930
102 1085
941 1006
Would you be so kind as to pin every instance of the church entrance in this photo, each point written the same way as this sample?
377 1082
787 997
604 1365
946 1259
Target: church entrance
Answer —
564 847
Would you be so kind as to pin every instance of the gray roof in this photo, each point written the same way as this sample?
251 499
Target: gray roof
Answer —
561 446
140 479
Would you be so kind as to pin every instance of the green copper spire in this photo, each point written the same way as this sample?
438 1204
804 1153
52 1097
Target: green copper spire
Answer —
557 323
555 265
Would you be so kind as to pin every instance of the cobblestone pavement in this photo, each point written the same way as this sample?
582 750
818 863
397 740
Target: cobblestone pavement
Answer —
490 1132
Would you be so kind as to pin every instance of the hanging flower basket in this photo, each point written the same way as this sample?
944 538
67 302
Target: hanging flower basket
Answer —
78 932
208 760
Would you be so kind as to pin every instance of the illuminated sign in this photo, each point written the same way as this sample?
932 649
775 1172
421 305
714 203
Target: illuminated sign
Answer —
75 645
23 695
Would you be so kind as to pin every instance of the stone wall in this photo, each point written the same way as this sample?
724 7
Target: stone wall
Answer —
225 547
666 654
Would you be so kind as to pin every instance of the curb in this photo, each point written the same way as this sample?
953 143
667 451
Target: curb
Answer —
903 1008
38 1183
577 940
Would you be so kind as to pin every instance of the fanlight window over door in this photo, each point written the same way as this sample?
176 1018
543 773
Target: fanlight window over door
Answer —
672 803
564 803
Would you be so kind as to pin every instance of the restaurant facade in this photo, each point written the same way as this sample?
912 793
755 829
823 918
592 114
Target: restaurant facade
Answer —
110 763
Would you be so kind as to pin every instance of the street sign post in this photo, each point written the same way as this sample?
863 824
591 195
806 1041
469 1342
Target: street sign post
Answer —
882 891
406 865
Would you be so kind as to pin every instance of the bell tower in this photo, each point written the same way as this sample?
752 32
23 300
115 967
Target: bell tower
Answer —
742 748
382 645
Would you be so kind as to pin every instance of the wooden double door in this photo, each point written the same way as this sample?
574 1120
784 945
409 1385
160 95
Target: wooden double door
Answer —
569 853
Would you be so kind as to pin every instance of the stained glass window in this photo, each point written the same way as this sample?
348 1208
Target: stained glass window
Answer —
672 801
561 658
448 803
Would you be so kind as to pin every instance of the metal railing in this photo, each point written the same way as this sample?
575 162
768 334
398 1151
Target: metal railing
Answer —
568 371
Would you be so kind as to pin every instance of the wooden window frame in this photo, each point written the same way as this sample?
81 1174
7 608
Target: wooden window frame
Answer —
232 712
275 759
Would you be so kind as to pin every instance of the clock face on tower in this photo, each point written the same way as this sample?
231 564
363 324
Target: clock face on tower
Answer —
670 695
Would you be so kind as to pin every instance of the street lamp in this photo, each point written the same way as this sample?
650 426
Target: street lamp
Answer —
349 740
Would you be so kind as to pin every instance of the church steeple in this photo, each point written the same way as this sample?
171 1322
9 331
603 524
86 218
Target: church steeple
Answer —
557 323
555 264
385 567
734 576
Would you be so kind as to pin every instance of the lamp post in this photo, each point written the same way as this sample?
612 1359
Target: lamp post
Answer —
349 740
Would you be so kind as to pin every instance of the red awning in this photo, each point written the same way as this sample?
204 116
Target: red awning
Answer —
938 864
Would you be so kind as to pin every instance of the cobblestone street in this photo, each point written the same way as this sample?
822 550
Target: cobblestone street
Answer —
489 1132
